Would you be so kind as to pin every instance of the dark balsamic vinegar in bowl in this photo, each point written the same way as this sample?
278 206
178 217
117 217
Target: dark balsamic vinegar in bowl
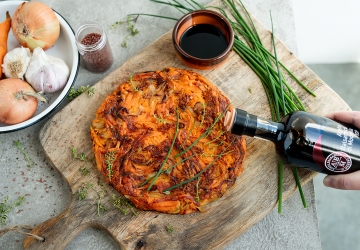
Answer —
203 41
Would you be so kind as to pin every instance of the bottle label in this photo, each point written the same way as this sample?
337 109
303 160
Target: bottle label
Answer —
334 147
338 162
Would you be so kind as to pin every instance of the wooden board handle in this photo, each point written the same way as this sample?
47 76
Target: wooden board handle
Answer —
59 231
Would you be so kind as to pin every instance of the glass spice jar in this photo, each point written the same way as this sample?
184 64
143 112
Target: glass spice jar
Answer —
93 46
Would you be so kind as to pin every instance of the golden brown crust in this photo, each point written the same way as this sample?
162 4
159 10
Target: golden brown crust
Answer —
142 137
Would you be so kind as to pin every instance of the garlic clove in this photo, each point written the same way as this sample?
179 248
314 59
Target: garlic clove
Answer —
16 62
46 73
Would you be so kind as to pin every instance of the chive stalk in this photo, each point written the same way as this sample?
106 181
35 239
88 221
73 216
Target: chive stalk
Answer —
297 179
202 171
280 190
169 152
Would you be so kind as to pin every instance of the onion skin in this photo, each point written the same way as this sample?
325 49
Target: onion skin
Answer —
35 24
16 105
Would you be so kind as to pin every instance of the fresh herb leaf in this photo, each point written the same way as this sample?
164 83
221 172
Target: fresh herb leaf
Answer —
123 205
84 171
132 83
169 228
73 93
100 206
82 192
109 160
5 207
30 162
197 197
81 157
280 187
297 179
159 119
131 28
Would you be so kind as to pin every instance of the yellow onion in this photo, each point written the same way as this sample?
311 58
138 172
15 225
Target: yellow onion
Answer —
35 24
18 101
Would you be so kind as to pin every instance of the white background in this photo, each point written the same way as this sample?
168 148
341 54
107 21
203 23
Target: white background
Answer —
327 31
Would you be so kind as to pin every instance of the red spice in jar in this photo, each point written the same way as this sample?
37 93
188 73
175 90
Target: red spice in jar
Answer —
91 39
99 58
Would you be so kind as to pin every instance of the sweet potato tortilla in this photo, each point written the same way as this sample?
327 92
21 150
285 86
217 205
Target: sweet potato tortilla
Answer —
159 140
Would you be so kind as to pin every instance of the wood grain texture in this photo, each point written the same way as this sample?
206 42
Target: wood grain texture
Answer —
252 197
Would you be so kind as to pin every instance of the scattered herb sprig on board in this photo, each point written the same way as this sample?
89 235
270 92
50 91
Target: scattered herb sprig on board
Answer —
123 205
82 192
81 156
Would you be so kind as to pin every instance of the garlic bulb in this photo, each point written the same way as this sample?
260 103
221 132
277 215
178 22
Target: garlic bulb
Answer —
46 73
16 62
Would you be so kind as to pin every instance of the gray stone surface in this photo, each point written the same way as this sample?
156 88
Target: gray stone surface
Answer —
47 194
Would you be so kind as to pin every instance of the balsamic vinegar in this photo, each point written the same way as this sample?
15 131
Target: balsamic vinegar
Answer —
304 140
203 41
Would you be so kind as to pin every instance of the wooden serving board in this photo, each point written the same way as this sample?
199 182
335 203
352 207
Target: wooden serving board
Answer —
252 197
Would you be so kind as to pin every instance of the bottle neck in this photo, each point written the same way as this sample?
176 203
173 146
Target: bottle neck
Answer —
242 123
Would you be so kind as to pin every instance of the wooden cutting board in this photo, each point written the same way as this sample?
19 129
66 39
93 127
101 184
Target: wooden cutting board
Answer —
252 197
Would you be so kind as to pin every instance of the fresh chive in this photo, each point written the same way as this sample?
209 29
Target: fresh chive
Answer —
168 169
202 171
277 65
169 152
280 188
297 179
206 133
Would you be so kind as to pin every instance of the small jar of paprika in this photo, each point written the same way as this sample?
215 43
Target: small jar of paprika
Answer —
93 46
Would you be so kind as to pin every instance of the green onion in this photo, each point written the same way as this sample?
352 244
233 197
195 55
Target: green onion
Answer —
280 190
202 171
297 179
169 152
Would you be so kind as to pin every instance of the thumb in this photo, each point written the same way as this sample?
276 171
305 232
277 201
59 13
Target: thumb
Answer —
343 181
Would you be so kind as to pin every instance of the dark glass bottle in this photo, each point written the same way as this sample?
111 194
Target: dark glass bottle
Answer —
304 140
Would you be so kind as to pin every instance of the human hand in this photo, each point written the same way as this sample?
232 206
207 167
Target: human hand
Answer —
345 181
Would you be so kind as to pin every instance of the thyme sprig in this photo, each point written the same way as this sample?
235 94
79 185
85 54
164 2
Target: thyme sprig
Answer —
73 93
76 155
5 207
100 205
22 150
109 160
169 228
159 119
84 171
123 205
131 28
132 83
82 192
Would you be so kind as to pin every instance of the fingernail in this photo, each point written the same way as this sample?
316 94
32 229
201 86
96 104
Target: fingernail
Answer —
329 181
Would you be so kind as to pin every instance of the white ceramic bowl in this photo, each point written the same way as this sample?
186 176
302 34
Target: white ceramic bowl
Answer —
64 48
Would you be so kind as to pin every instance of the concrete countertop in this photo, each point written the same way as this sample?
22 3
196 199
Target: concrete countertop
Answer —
46 193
